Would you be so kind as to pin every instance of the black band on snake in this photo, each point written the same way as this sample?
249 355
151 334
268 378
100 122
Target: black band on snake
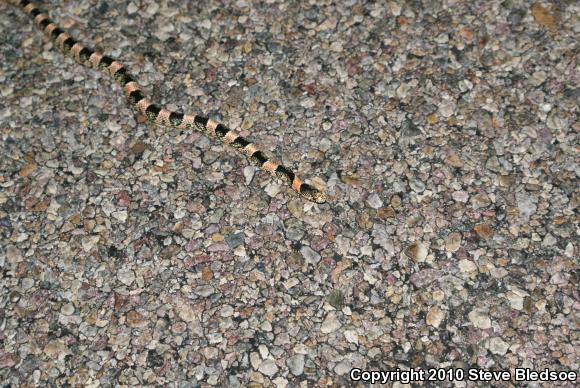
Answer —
161 116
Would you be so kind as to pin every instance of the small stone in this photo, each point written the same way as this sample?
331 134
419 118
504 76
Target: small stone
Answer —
13 254
8 360
555 121
264 352
467 34
549 240
138 148
296 364
136 319
374 201
28 169
152 9
467 266
454 160
294 234
460 196
204 290
330 324
569 251
226 311
27 283
206 273
453 242
266 326
67 309
272 189
185 312
498 346
416 251
446 108
506 180
479 319
255 360
526 206
179 213
280 382
484 231
56 349
542 15
336 299
409 130
249 172
234 239
425 277
434 316
187 233
351 336
342 368
89 242
336 47
120 215
403 89
268 367
310 255
538 78
126 276
132 8
516 300
480 200
492 164
417 185
296 208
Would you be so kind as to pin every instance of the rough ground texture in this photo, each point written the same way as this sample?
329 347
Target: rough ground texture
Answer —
445 133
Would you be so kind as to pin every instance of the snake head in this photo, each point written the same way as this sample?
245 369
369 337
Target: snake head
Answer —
312 194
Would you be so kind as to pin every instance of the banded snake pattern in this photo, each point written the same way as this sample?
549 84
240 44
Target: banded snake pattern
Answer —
158 115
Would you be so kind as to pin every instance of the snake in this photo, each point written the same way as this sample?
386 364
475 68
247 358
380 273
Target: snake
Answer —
155 114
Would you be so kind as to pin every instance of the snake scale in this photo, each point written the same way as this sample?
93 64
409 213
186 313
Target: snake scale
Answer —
161 116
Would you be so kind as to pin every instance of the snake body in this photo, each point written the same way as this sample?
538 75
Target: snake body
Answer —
158 115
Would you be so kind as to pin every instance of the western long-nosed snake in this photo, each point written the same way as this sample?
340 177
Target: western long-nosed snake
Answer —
161 116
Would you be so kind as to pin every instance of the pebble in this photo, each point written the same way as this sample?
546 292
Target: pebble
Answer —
484 231
249 172
272 189
435 316
330 324
13 254
296 364
89 242
417 185
417 251
549 240
480 200
374 201
227 311
268 367
526 206
480 319
467 266
498 346
126 276
453 242
311 256
234 240
446 108
67 309
351 336
120 215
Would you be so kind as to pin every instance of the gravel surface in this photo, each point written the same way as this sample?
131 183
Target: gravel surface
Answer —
445 133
